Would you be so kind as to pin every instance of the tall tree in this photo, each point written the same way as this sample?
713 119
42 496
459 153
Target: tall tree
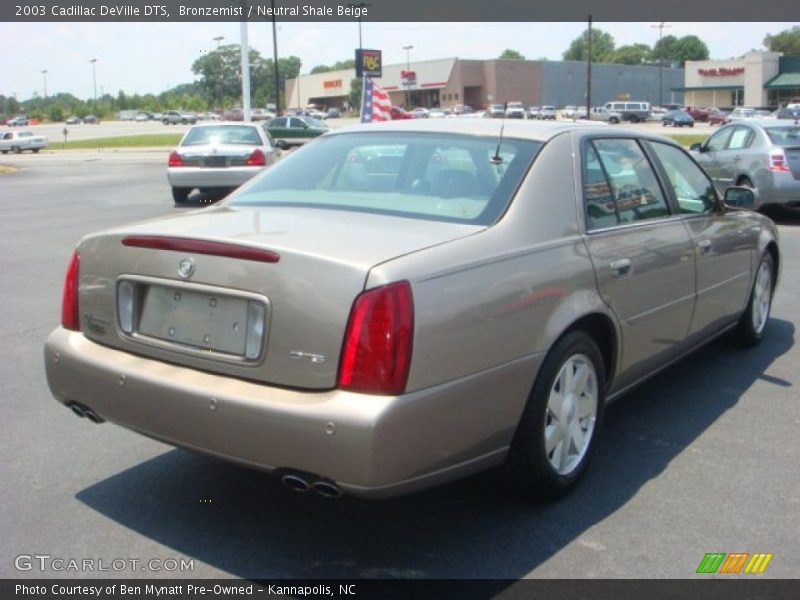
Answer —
508 53
602 47
633 54
337 66
787 41
689 47
679 50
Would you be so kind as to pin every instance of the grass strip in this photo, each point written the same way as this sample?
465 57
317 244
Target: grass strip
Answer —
127 141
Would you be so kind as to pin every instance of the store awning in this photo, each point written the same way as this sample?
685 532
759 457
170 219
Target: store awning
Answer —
710 88
784 81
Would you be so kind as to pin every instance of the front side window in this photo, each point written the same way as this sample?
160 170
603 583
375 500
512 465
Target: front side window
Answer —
719 141
619 184
444 177
694 191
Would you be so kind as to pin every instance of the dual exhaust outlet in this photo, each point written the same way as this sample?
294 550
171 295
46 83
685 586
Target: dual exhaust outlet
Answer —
84 411
301 482
296 481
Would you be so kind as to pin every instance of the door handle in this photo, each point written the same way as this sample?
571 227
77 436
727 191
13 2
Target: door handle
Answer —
704 246
621 267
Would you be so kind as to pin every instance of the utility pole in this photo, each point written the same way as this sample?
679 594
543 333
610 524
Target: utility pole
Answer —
44 72
589 70
660 28
94 81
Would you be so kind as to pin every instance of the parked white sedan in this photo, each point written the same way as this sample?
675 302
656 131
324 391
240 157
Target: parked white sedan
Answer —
17 141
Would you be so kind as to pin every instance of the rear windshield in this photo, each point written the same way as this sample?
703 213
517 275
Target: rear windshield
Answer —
419 175
784 136
223 134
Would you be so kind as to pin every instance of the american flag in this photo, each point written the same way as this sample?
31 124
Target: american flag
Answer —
375 104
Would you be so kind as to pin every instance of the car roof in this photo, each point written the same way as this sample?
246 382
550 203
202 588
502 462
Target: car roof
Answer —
533 130
218 123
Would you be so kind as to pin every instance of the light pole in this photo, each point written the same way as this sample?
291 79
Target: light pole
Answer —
660 28
275 62
218 39
94 81
44 73
408 50
299 100
360 6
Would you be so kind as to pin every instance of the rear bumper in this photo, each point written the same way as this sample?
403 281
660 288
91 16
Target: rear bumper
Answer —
203 177
373 446
779 188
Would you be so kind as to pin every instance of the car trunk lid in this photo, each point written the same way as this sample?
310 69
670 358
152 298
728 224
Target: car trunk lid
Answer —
176 290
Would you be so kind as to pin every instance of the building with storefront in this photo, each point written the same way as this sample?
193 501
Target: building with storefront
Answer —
758 79
449 82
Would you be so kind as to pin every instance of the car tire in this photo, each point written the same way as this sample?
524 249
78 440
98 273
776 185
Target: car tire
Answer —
4 151
165 121
753 322
613 120
16 149
36 150
180 195
691 124
663 123
543 473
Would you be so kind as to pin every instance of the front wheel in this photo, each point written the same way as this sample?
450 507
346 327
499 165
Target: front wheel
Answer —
753 322
555 437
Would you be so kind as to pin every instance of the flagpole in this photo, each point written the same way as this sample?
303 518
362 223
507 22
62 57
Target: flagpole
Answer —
363 97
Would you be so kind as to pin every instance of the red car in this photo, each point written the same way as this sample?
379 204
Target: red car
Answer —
400 113
698 114
717 117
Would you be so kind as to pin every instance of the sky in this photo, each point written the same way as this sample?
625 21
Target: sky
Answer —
152 57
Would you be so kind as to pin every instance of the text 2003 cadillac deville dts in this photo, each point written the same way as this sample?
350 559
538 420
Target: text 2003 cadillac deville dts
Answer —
398 305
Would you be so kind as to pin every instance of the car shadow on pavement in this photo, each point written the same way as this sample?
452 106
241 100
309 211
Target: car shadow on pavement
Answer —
247 524
200 199
783 215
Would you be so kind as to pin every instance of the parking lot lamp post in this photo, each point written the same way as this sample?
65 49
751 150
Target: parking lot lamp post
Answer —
44 73
218 39
408 50
360 6
275 62
94 81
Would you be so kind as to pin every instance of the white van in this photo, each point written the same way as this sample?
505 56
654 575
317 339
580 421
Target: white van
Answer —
630 111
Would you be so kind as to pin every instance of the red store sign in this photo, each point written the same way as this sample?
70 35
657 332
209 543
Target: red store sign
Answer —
332 83
721 72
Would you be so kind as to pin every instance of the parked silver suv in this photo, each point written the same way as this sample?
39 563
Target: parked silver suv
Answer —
173 117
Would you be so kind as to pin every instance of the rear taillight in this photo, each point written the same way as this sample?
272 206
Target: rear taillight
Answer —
256 159
776 161
70 317
175 160
377 345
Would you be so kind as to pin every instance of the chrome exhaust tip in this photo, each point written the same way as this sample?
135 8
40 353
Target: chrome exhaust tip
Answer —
295 483
328 489
78 410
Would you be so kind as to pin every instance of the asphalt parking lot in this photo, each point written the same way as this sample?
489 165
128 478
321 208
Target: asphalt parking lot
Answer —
703 458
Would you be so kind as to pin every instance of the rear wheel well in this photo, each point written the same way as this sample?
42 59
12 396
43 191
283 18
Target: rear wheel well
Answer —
772 248
600 328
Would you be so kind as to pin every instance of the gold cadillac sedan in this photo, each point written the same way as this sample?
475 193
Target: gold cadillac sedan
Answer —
399 305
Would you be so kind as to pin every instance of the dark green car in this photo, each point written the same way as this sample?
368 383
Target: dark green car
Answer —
296 130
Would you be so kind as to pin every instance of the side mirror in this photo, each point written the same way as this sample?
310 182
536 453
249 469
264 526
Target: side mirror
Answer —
697 147
282 144
740 197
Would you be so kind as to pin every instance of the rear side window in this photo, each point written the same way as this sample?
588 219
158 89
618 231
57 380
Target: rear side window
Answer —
694 191
784 136
741 138
619 184
719 140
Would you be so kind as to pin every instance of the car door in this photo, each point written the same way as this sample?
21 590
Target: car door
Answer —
723 240
641 252
712 151
732 160
279 128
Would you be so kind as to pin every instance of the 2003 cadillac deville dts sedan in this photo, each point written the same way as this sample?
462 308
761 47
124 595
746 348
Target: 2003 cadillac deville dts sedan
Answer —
398 305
